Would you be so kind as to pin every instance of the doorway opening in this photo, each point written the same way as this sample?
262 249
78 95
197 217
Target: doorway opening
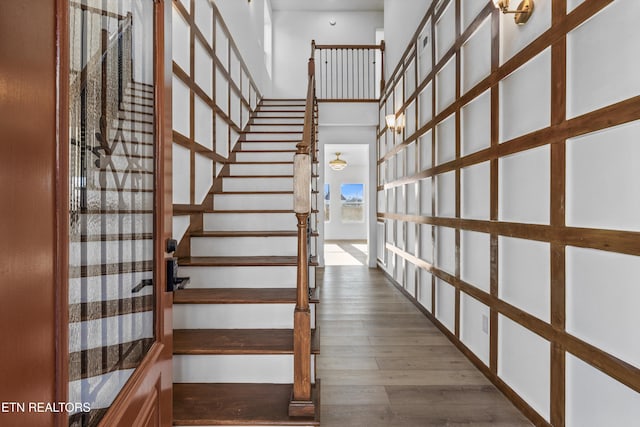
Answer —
346 205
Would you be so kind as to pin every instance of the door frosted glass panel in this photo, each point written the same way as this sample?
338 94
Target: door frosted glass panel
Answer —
111 199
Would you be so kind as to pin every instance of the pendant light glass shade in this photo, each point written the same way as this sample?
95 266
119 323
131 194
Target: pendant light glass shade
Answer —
337 164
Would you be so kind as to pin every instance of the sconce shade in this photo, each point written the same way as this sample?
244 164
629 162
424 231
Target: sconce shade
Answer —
395 123
337 164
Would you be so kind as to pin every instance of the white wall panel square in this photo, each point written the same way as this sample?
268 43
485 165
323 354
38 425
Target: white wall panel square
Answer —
446 249
446 30
204 20
446 140
204 177
381 201
222 91
523 363
476 56
525 98
234 137
425 60
426 195
180 107
391 200
426 151
524 276
399 270
401 201
474 326
181 165
222 46
603 45
524 186
426 243
180 41
398 96
410 78
400 171
515 37
446 85
411 158
475 186
425 105
410 119
400 240
446 194
391 231
572 4
203 68
603 179
203 123
446 304
471 9
475 125
594 399
475 259
602 300
222 137
411 237
234 108
234 64
410 279
412 198
424 289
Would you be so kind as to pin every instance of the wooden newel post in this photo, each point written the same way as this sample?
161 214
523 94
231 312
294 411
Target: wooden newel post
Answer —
382 80
301 404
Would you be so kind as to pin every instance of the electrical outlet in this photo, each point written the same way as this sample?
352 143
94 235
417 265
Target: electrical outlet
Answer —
485 324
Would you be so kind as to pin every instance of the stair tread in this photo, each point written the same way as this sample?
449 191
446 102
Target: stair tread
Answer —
236 404
243 211
240 261
237 341
239 296
248 233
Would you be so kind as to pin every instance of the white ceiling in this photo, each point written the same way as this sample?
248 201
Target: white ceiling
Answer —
328 5
354 154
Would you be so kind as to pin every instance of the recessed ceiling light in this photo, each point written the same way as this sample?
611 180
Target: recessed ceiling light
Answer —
332 22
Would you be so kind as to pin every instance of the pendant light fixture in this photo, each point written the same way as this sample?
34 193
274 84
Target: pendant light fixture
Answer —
337 164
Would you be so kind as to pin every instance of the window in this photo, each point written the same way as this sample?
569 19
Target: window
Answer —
352 200
327 200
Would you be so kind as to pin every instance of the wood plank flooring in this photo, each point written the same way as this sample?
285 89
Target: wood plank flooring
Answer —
383 363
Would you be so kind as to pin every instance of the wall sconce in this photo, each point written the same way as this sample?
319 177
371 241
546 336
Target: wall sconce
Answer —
395 123
337 164
522 13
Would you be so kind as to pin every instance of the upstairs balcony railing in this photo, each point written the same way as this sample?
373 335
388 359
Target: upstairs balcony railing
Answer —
349 73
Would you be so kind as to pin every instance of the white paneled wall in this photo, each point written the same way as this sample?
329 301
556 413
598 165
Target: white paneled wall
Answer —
204 137
523 198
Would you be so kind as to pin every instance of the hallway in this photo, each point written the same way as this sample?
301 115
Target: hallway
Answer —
383 363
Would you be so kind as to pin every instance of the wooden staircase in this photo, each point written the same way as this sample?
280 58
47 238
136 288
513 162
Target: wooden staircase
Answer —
233 324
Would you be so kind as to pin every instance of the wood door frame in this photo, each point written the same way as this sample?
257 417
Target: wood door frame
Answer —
150 386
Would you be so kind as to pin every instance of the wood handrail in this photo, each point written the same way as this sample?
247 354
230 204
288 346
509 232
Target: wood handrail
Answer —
301 403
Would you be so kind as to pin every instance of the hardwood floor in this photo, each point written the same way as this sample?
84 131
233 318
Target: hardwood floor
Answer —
383 363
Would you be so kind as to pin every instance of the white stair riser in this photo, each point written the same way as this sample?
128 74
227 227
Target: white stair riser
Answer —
241 277
257 184
264 157
244 246
253 202
283 101
282 106
261 136
261 169
276 128
235 316
250 222
245 368
288 121
277 114
270 146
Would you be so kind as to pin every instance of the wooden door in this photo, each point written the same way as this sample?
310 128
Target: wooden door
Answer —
118 359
